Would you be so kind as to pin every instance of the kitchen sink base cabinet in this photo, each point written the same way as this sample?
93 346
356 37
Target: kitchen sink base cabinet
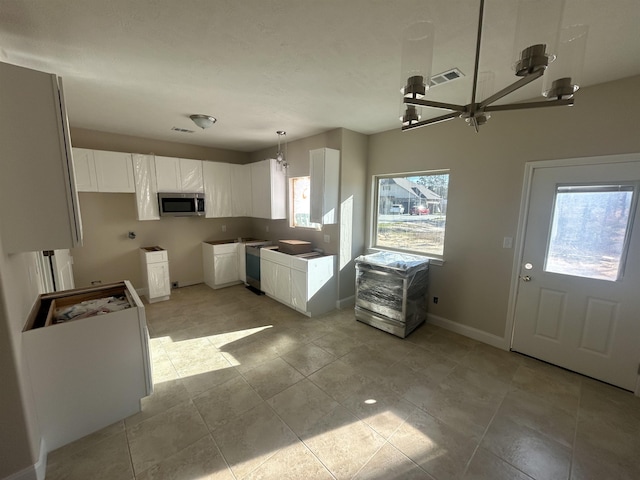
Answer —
88 373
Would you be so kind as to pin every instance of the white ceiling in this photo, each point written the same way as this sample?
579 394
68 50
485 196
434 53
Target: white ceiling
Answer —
140 67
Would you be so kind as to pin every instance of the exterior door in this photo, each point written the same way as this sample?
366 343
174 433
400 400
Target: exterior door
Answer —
578 296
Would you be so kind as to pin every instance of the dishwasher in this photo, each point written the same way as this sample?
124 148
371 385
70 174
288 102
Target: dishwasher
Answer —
391 291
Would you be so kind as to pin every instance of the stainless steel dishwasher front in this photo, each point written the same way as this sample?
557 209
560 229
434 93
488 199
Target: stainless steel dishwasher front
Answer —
391 291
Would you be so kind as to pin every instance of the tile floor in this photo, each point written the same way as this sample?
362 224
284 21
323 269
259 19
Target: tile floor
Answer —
246 388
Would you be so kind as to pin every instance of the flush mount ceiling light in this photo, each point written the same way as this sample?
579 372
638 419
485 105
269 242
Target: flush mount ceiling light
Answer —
280 155
203 121
537 35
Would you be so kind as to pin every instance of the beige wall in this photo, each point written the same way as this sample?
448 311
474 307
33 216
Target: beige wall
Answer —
81 138
109 255
486 183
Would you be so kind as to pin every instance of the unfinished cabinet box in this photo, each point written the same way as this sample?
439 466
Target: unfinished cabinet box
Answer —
155 273
220 264
90 370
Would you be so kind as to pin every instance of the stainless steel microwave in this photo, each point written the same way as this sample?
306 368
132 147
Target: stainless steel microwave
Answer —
181 204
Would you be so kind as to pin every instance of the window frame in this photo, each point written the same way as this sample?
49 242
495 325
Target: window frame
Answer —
314 226
375 212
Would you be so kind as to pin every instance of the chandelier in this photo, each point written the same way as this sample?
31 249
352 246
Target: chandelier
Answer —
540 47
280 155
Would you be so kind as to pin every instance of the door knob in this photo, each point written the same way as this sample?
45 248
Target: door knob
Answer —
525 278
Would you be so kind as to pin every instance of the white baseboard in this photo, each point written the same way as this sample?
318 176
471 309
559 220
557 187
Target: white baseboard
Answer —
467 331
36 471
346 302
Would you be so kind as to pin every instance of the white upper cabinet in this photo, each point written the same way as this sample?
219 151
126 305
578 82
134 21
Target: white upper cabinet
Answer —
179 175
269 190
114 172
324 170
85 168
144 173
38 201
241 194
217 189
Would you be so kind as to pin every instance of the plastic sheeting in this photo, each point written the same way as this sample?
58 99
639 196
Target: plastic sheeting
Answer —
393 286
144 171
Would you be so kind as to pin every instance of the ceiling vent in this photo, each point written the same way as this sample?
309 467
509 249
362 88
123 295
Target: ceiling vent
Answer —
182 130
444 77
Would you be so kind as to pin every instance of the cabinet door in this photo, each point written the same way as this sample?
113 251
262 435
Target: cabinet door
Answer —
217 189
144 175
283 284
85 170
168 174
241 192
324 170
268 276
159 285
226 268
299 290
114 172
260 189
191 176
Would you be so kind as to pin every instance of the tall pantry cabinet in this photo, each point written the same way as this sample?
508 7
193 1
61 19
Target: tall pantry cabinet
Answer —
38 200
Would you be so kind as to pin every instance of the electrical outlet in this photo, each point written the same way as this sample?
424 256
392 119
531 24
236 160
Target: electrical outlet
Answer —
224 228
267 228
435 299
327 239
507 242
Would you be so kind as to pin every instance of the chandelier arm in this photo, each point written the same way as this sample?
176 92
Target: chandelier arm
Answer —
477 61
511 88
431 121
523 106
430 103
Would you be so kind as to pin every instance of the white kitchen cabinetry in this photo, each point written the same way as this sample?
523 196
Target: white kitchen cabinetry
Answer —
179 175
35 157
220 264
114 172
101 171
85 168
155 273
241 193
305 284
269 190
325 183
217 189
86 373
144 174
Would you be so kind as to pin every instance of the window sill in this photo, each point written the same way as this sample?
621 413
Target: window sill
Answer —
438 262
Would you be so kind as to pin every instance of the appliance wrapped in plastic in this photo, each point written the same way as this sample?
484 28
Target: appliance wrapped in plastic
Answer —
391 291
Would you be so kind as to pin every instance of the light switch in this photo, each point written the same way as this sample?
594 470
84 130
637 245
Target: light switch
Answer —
507 242
224 228
327 239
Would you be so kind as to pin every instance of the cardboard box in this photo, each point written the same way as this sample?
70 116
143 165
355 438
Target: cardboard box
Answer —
294 247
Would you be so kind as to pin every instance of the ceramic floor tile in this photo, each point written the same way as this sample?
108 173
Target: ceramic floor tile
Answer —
449 344
302 405
201 460
528 450
499 364
165 395
201 382
339 380
106 460
293 462
433 366
85 443
220 405
164 434
438 449
337 344
486 465
272 377
308 359
391 464
250 439
194 356
342 443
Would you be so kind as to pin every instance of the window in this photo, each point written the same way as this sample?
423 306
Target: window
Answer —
300 202
589 230
411 212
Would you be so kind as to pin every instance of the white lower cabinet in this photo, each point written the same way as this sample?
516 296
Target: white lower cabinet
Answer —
89 371
155 273
305 284
220 264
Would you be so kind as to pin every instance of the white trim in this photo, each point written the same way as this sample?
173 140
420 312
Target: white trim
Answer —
346 302
37 471
471 332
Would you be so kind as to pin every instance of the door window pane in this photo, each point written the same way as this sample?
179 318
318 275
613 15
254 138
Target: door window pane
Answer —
589 231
